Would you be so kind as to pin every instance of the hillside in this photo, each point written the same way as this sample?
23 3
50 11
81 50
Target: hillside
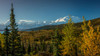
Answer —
95 22
48 31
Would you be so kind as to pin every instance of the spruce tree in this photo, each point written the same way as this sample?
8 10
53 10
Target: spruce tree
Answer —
42 44
50 47
56 42
36 48
15 41
33 48
23 49
29 48
0 49
6 37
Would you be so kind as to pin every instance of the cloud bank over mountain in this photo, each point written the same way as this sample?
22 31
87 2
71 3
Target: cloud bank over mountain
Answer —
26 24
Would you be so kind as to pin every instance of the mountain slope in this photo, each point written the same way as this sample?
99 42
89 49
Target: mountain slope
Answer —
95 22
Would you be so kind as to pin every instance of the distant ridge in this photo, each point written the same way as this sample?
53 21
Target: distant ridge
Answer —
1 30
95 22
47 27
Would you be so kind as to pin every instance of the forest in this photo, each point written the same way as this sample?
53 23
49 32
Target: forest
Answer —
73 39
68 41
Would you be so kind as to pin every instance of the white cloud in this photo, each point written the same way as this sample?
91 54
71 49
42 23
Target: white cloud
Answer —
25 21
73 16
76 19
6 22
30 23
44 21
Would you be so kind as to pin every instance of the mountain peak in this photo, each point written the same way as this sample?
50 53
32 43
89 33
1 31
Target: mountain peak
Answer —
26 24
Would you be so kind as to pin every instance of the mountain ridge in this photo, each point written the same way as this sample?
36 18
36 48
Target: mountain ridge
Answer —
95 22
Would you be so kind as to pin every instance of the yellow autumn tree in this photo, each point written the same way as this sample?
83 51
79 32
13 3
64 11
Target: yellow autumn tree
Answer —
90 40
68 42
2 39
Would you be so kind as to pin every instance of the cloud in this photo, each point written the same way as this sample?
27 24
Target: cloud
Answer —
31 24
7 22
76 19
25 21
44 22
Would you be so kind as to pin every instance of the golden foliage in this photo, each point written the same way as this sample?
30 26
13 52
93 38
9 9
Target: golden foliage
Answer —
2 39
34 36
91 40
69 38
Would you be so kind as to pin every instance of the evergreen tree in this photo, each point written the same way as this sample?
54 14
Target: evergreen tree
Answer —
29 48
23 49
6 34
0 49
15 41
36 48
50 48
33 48
56 42
42 44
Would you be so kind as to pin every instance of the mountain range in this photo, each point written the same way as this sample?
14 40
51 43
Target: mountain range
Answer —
27 24
95 23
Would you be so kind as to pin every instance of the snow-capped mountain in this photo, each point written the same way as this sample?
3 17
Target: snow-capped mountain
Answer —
26 24
66 18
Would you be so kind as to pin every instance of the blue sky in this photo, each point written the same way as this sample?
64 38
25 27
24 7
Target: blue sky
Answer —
49 10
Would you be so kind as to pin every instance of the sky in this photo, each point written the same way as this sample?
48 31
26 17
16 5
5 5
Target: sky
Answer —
49 10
